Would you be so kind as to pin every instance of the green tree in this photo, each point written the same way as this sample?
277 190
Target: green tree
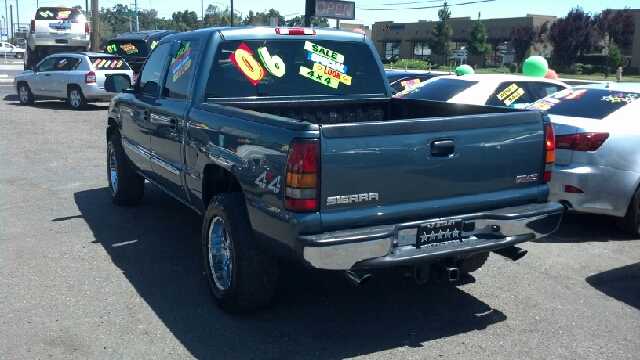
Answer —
478 43
263 19
440 44
614 59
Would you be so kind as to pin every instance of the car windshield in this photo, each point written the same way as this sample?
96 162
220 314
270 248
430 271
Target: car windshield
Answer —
56 13
585 102
293 68
127 48
108 63
438 89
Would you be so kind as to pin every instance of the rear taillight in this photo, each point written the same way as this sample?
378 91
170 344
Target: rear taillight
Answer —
90 77
581 142
295 31
32 29
550 152
86 28
302 178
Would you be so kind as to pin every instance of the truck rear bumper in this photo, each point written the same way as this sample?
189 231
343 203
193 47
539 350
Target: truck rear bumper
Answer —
392 245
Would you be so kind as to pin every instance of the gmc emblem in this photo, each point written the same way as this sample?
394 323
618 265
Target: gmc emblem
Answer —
526 178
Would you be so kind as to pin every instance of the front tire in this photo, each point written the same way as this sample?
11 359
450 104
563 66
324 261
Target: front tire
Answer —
241 276
126 185
631 221
19 55
24 94
76 98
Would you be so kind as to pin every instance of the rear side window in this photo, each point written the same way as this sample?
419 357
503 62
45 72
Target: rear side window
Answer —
59 14
438 89
293 67
180 70
126 48
584 102
108 63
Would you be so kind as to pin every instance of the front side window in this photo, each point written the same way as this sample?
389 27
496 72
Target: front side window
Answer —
48 64
585 102
292 67
182 63
392 50
150 76
438 89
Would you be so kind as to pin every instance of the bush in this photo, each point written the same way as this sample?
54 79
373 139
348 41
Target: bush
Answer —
576 68
412 64
588 69
513 68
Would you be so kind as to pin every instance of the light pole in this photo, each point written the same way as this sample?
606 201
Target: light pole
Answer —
4 23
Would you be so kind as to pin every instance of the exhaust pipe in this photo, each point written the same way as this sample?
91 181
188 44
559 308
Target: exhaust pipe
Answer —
358 278
513 252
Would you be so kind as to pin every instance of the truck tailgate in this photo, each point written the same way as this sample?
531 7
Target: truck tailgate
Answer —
378 164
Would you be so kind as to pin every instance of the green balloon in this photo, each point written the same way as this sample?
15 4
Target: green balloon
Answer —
464 69
535 66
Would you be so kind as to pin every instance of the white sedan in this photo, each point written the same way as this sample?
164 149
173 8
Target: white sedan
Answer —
8 50
515 91
77 78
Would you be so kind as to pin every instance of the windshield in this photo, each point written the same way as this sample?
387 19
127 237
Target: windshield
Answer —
293 68
55 13
108 63
126 48
584 102
438 89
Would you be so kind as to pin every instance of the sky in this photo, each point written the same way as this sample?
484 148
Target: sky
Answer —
399 12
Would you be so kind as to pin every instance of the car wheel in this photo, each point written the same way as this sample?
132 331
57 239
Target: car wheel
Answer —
631 221
126 185
472 263
24 94
75 98
19 55
241 276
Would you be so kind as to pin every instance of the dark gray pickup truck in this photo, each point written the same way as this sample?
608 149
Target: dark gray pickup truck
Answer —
289 144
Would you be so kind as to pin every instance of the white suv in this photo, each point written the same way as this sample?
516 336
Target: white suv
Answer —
56 29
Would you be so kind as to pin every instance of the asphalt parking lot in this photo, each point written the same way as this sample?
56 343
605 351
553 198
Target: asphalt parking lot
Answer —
84 279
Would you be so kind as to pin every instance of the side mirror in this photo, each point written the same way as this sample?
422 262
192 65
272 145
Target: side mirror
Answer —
34 68
117 83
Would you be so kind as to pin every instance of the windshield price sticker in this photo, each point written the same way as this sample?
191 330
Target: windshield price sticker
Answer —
337 57
273 64
319 77
343 78
243 59
181 62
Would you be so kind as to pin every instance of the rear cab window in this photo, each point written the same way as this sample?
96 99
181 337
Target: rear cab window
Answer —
55 13
585 102
290 67
438 89
126 48
108 63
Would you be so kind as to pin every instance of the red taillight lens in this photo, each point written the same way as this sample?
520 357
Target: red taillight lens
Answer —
573 190
86 28
90 77
301 191
581 142
550 153
32 29
295 31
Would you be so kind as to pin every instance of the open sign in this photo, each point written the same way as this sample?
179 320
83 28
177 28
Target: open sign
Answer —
341 10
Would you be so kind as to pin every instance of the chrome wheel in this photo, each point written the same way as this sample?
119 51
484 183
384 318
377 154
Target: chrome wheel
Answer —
75 98
23 92
113 170
220 254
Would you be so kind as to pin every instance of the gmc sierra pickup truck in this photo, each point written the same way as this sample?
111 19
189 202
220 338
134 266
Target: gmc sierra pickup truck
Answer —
289 144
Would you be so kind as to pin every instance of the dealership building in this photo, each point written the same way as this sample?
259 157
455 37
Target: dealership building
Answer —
409 40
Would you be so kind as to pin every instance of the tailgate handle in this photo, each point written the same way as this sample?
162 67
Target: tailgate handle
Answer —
442 148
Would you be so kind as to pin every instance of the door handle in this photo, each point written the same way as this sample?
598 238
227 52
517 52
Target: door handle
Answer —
442 148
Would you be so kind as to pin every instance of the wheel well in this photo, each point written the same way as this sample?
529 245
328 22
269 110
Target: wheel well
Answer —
217 180
20 83
71 86
112 128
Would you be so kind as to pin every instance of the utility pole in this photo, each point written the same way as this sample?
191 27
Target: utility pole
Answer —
11 22
6 18
17 15
86 7
137 23
95 21
231 13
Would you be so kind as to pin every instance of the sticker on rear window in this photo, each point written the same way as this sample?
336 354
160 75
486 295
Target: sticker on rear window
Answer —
243 59
62 63
153 45
510 94
63 14
129 49
621 97
75 66
107 63
273 64
181 62
328 66
112 48
408 84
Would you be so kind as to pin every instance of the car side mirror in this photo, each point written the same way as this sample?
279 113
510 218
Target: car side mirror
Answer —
34 68
117 83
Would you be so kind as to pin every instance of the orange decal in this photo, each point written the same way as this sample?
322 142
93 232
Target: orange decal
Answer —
243 59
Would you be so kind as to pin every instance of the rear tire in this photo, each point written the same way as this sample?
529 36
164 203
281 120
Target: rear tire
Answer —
19 55
126 185
472 263
76 98
24 94
631 221
241 276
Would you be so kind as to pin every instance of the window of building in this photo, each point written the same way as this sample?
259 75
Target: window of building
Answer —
421 51
392 50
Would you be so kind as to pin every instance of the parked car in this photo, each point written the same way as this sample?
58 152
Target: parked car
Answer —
7 49
401 80
135 46
76 77
597 167
485 89
54 30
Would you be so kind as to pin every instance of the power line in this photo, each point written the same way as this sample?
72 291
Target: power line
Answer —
427 7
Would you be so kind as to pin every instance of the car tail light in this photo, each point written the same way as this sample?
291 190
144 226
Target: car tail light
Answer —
86 28
573 190
302 177
295 31
90 77
581 142
550 152
32 29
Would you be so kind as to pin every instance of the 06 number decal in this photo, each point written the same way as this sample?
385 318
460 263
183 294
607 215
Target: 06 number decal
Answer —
243 59
267 180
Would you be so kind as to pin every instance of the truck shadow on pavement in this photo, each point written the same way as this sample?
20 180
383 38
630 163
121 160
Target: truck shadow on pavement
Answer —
578 227
315 314
622 284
